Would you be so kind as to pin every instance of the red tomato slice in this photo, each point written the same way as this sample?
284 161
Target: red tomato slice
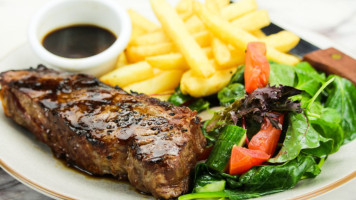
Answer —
256 66
243 159
267 138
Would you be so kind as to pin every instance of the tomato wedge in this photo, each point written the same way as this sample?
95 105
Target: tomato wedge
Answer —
256 66
243 159
267 138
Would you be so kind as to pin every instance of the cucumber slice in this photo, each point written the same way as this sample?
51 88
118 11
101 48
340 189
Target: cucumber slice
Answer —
212 187
231 135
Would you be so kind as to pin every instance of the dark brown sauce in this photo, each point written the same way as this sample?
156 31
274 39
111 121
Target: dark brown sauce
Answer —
78 41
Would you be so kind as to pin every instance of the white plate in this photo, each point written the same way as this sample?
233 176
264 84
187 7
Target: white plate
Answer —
32 162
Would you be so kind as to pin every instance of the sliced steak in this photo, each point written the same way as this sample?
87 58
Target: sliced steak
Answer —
105 130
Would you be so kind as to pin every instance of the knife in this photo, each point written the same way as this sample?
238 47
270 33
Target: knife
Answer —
330 61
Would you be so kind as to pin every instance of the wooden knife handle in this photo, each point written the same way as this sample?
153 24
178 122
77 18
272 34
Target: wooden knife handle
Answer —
333 61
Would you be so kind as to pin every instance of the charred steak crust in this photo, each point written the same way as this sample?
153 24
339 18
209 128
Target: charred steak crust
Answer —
105 130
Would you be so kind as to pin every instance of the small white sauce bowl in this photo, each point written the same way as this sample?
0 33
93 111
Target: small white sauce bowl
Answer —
62 13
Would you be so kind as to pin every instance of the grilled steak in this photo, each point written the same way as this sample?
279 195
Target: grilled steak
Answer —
105 130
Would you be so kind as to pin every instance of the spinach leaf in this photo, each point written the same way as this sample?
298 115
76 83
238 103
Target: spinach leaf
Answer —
277 177
202 169
322 123
238 76
313 171
281 74
179 99
231 93
342 97
203 181
231 180
309 79
324 149
199 105
260 180
300 135
211 136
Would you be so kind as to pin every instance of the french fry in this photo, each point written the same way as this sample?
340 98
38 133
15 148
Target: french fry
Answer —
128 74
173 61
225 56
236 36
136 32
194 24
258 33
221 51
185 16
151 38
166 80
184 9
175 28
252 21
203 38
233 62
156 71
141 37
121 60
213 6
282 41
198 86
237 9
209 52
139 53
237 58
281 57
142 22
216 5
223 29
222 3
249 22
184 6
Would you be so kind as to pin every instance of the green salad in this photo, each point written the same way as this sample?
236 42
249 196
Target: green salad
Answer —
268 139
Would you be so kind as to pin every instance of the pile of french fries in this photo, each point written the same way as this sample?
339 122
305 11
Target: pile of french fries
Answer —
197 46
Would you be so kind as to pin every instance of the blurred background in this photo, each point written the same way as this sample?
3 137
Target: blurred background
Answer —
326 19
